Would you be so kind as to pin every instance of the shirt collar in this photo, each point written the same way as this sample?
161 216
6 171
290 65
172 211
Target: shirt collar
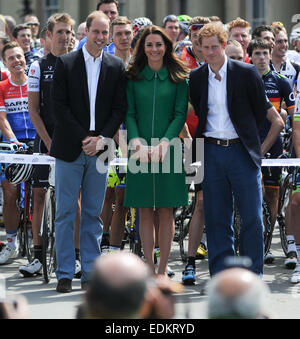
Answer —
87 56
149 73
222 71
267 72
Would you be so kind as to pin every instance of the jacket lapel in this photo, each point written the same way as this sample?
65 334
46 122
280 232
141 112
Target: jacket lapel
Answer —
204 90
102 77
230 84
83 82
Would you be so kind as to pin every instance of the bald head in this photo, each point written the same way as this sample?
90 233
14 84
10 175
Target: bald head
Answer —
236 293
120 268
234 50
117 286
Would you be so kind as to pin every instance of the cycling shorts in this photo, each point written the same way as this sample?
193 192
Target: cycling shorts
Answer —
115 178
272 175
117 175
41 172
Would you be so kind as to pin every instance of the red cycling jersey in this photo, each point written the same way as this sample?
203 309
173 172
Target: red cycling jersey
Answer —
192 119
14 101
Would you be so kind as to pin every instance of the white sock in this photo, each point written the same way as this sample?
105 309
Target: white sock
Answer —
291 243
11 237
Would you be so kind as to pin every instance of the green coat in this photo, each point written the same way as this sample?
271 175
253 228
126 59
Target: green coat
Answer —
157 108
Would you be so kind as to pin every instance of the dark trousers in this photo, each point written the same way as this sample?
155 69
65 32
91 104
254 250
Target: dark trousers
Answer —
229 173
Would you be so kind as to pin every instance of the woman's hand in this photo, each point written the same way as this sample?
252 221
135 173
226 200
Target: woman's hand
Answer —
139 151
158 153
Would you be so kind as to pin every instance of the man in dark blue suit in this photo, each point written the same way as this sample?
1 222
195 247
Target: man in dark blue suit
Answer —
229 100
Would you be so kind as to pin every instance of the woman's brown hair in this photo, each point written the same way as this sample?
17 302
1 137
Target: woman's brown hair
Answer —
176 67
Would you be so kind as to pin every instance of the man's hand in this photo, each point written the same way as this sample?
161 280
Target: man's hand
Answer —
90 145
20 144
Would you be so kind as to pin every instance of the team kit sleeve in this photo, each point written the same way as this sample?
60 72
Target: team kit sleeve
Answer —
34 75
287 93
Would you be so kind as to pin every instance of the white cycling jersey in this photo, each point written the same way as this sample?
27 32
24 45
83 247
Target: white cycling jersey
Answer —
291 70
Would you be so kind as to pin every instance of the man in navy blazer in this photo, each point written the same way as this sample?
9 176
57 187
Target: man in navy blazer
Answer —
89 105
230 102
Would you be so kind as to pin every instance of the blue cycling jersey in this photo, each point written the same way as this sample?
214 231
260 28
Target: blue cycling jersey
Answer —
111 48
277 89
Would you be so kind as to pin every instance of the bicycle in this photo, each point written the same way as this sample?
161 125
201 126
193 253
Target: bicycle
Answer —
21 174
48 230
289 183
131 234
182 217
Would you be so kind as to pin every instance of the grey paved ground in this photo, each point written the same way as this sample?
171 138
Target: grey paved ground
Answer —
45 303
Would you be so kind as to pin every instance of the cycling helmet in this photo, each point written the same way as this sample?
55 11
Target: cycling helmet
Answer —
295 35
18 173
139 23
184 18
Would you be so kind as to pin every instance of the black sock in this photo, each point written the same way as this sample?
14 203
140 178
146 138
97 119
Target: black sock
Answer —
77 253
37 250
191 261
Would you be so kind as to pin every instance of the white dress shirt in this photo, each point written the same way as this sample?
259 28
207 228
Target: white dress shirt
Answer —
93 67
219 124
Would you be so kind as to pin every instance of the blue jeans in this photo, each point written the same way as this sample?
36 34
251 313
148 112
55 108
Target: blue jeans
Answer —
70 178
230 173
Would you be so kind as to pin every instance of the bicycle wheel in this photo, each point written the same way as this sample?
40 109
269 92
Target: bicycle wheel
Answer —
28 204
182 223
268 227
134 238
284 198
48 235
21 236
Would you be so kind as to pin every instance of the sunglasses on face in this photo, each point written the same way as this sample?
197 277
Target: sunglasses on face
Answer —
196 27
32 24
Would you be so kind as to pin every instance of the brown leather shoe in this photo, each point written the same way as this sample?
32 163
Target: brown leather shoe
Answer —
64 286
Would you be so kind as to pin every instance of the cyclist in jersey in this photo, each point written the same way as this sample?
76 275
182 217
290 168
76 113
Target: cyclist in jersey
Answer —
59 30
266 33
22 34
111 9
239 30
122 34
16 127
294 55
194 58
280 62
277 89
295 198
171 26
234 50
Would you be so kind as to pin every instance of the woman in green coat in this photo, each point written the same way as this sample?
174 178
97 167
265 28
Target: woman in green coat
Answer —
157 94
